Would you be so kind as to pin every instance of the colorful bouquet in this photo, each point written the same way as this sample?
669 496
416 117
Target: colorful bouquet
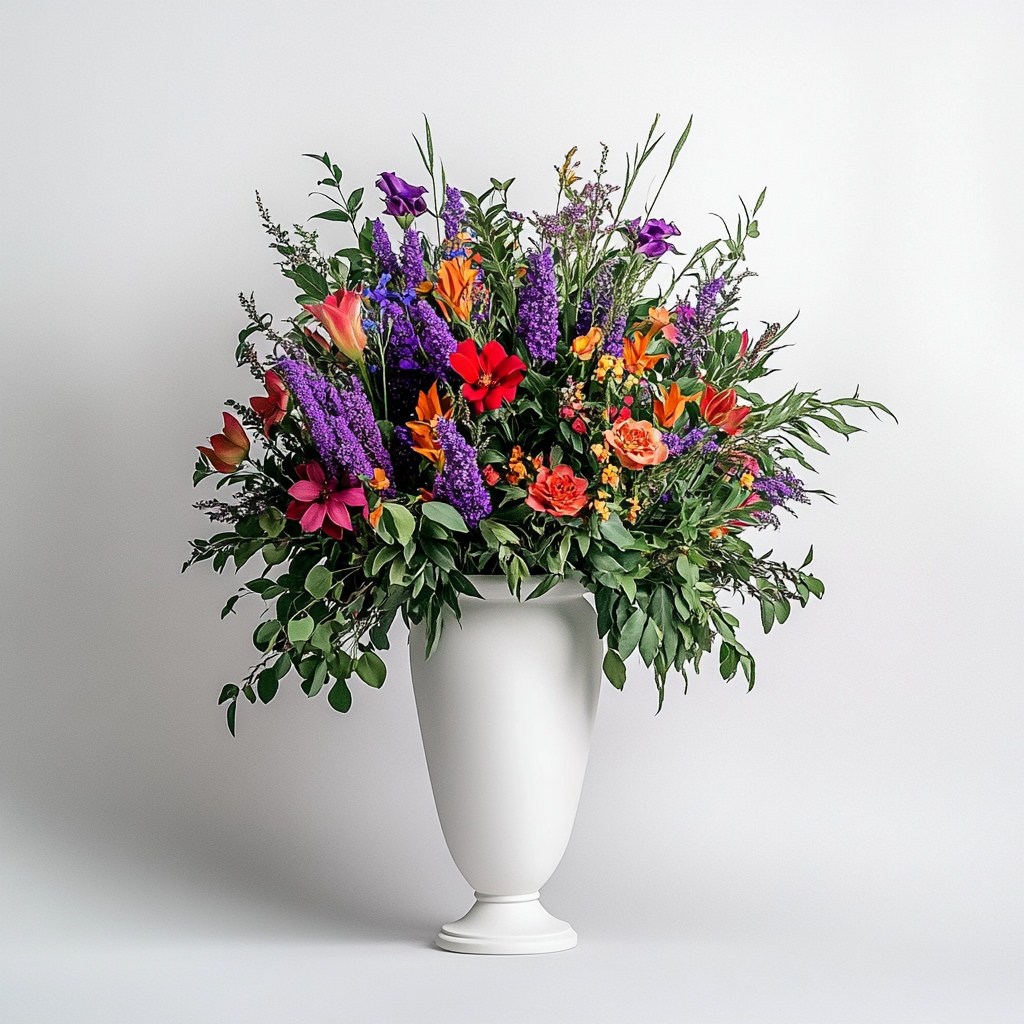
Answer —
517 396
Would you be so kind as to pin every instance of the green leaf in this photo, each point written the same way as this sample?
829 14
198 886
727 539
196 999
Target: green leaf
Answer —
650 641
319 580
810 556
340 696
266 633
767 614
497 533
446 515
321 638
336 214
300 629
544 586
266 685
230 692
631 632
371 669
283 665
615 670
340 664
230 606
231 716
437 552
313 685
401 522
613 530
815 586
272 522
274 554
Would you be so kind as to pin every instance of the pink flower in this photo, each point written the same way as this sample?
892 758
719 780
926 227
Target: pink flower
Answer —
319 503
342 315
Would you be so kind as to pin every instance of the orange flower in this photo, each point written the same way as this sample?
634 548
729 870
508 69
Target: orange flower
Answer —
659 317
517 469
342 315
455 280
718 532
637 443
375 515
720 410
559 491
586 344
380 480
272 407
668 408
633 357
429 409
230 449
490 475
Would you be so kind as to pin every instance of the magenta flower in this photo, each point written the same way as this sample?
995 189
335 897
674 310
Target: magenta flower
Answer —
651 239
320 503
400 198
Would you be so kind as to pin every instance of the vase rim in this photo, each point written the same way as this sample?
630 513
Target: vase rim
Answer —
495 588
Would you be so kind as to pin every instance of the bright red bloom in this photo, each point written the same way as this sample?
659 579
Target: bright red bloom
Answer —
230 449
490 475
720 410
320 503
491 375
559 491
342 315
272 408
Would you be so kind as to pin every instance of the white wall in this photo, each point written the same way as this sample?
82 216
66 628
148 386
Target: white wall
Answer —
866 796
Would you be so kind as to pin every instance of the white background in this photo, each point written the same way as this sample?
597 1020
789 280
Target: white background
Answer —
842 844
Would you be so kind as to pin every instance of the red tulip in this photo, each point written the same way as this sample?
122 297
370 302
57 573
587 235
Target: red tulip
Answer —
230 449
341 313
491 375
720 410
272 408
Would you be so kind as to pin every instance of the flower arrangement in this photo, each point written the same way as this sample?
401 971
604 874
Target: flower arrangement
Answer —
478 392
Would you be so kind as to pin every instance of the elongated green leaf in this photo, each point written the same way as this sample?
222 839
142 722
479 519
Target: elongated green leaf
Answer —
615 670
613 530
443 513
371 669
631 632
230 692
401 522
767 614
266 685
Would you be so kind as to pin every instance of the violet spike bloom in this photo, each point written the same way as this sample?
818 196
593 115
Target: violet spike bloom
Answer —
459 483
436 340
321 404
538 307
402 343
674 443
453 212
613 337
651 238
691 440
362 423
412 259
782 487
381 246
400 198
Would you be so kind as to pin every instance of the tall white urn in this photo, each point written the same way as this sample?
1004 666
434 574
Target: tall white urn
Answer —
506 705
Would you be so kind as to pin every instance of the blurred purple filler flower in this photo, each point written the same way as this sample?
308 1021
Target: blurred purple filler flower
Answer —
650 240
400 198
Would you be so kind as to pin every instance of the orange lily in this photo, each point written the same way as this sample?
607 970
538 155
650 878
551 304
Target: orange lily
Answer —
341 313
668 408
230 449
659 317
430 407
636 361
720 410
454 288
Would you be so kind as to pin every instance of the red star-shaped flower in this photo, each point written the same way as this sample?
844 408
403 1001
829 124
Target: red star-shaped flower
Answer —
491 375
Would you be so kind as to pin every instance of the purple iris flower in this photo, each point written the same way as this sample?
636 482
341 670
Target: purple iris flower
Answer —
400 198
650 240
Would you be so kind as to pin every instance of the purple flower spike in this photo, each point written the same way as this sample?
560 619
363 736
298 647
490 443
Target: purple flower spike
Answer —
460 482
412 259
538 307
400 198
454 211
651 238
381 246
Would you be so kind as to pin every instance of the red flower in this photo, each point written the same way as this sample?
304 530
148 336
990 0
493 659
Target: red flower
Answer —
490 475
720 410
491 375
230 449
319 503
341 313
559 491
272 408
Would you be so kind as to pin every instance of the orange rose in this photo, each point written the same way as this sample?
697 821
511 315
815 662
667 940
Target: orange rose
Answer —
637 443
559 491
585 345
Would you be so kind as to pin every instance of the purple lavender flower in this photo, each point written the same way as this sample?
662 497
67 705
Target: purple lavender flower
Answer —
402 343
459 482
674 443
538 307
613 336
596 303
691 440
706 303
322 406
453 212
436 340
381 246
782 487
412 259
362 422
400 198
650 239
695 323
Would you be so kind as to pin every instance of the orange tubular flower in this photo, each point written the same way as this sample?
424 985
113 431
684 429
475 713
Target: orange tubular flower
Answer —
342 315
637 443
669 407
634 358
587 344
559 491
429 409
454 288
230 449
272 408
720 410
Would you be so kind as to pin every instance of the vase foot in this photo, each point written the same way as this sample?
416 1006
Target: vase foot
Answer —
507 925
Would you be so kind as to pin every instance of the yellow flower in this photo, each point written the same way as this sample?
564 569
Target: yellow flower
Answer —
600 452
634 509
747 480
603 494
610 475
601 509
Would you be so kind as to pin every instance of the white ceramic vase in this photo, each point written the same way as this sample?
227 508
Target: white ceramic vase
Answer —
506 705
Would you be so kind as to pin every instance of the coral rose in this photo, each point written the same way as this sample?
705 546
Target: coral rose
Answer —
637 443
559 491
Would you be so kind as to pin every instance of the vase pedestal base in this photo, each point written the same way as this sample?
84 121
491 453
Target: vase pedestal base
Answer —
507 925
